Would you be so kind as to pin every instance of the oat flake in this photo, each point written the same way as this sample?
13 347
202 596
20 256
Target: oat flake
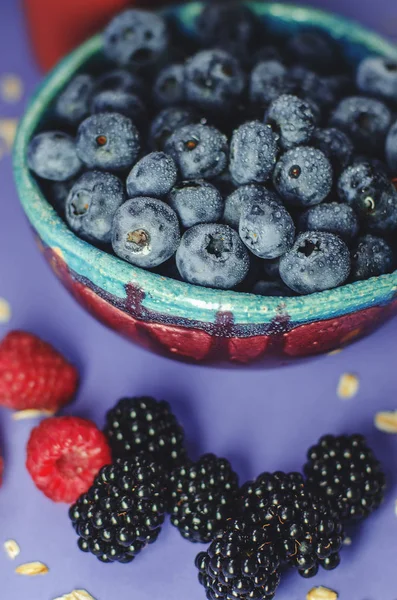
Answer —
76 595
321 593
32 568
386 421
348 386
31 413
12 548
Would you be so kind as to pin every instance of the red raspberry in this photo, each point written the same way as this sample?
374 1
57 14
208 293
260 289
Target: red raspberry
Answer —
33 374
64 454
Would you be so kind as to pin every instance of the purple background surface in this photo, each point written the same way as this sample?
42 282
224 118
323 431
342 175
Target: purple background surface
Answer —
261 420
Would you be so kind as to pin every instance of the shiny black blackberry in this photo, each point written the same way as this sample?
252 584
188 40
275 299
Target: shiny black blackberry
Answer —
344 470
305 529
203 496
122 512
241 563
145 425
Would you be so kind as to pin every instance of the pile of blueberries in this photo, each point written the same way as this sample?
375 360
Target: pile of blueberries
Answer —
230 158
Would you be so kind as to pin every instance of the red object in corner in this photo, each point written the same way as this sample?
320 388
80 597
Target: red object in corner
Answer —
58 26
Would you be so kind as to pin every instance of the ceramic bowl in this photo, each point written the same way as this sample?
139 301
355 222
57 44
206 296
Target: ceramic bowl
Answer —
182 320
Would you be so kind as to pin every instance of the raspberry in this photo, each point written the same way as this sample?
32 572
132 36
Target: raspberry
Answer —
33 374
64 454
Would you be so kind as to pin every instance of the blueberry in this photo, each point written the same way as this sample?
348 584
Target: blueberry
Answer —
269 80
166 122
312 87
199 151
272 268
145 232
292 118
196 202
367 189
154 175
377 76
316 50
371 257
169 86
57 193
240 198
318 261
227 25
253 153
212 255
53 155
92 203
365 120
336 145
303 176
120 80
108 141
136 38
391 149
266 53
73 103
271 288
214 80
266 228
119 101
333 217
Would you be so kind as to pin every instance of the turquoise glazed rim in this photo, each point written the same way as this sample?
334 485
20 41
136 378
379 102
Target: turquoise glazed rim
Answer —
166 296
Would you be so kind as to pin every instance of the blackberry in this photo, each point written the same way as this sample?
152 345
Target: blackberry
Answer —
305 528
202 497
122 512
345 470
145 425
241 563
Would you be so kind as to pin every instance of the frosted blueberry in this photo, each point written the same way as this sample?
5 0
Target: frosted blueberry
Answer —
199 151
253 153
317 261
154 175
145 232
391 149
365 120
303 176
371 257
269 80
53 155
240 198
166 122
336 145
292 119
266 228
212 255
73 103
122 102
120 80
169 86
196 202
108 141
92 203
377 76
368 190
332 217
136 38
214 80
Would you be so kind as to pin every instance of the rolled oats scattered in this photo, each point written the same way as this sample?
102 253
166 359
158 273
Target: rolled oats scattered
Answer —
76 595
386 421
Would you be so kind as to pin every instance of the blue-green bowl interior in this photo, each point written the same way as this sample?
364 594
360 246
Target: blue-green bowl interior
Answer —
167 296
